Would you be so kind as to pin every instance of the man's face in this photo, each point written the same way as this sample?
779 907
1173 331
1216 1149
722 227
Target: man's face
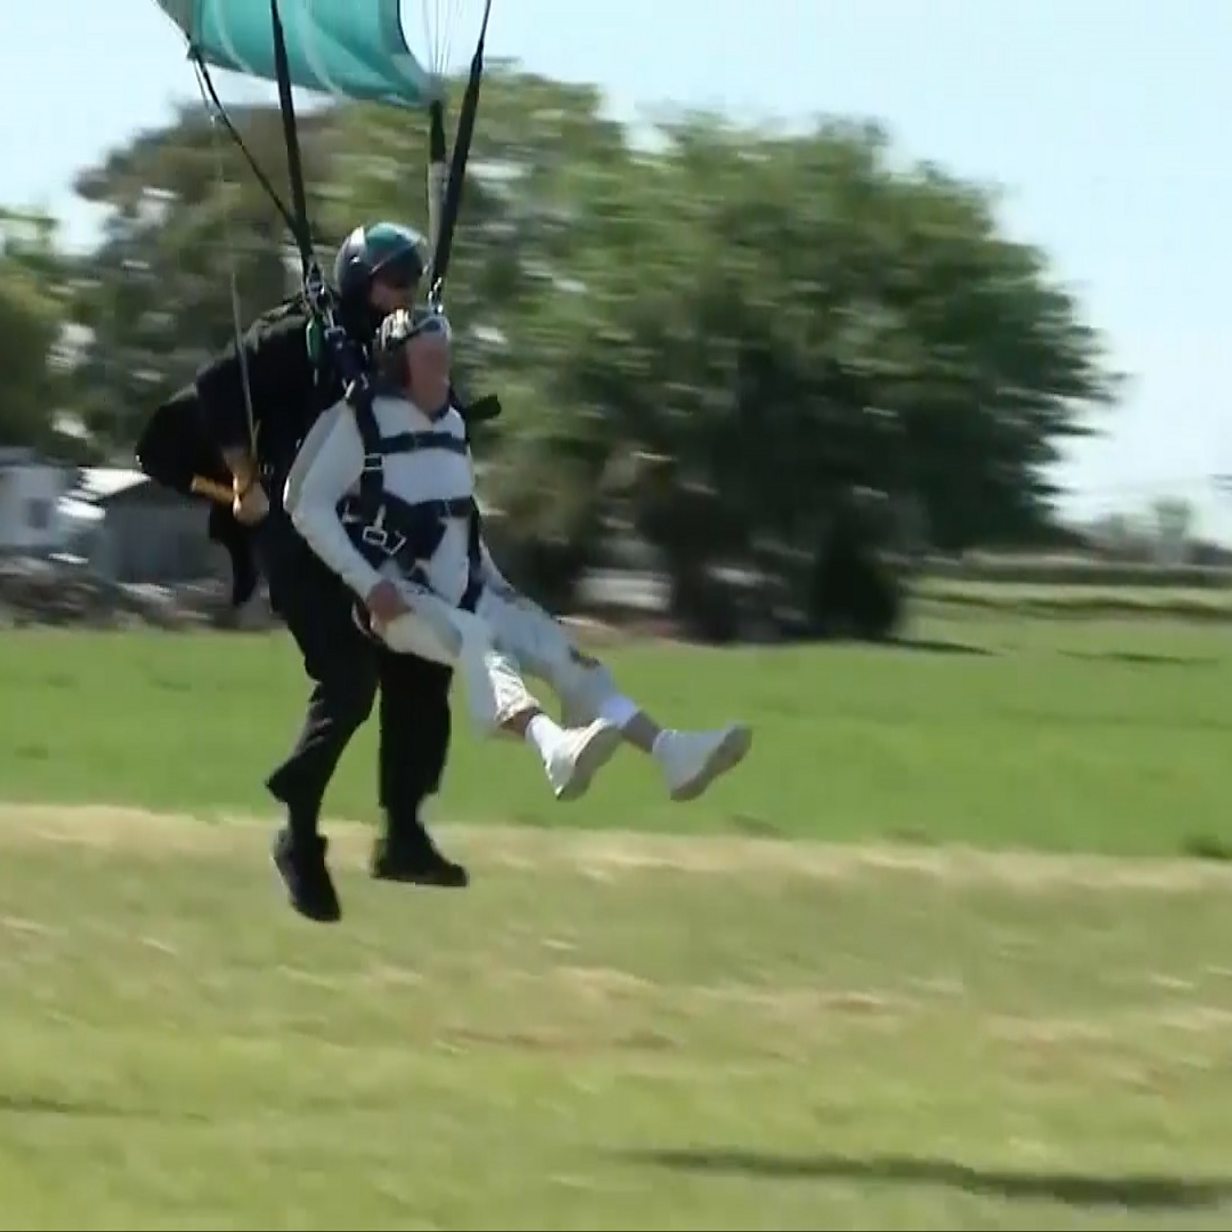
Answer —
389 294
395 283
428 356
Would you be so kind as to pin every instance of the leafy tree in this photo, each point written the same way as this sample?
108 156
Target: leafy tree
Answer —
185 215
31 274
718 337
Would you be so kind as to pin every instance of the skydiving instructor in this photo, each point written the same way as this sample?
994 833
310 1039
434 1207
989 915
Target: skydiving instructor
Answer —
269 393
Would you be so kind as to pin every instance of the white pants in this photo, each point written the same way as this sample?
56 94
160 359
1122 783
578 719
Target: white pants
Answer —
492 647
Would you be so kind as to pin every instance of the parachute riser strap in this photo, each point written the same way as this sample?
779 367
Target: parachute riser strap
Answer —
438 173
457 168
339 348
300 229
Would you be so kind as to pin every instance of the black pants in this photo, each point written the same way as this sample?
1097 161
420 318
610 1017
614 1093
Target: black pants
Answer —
346 667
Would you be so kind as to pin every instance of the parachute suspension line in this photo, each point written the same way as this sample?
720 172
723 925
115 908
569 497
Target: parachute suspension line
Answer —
457 167
438 31
220 114
229 244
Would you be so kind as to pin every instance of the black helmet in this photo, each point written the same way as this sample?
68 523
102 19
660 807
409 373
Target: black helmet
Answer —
397 253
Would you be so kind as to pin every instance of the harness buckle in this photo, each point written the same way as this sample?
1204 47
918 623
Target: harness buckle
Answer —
388 541
372 462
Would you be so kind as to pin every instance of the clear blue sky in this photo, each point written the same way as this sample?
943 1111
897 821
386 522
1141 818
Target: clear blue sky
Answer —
1105 124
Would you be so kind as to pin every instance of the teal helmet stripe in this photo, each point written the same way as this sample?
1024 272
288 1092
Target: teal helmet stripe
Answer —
388 241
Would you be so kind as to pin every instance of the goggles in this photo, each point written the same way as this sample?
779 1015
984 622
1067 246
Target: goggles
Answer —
402 326
429 323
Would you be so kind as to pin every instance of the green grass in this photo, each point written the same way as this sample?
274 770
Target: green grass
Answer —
617 1027
1059 735
607 1031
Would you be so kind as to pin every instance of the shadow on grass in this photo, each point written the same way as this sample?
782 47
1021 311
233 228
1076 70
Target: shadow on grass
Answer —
1130 1190
1142 658
1207 847
41 1105
936 646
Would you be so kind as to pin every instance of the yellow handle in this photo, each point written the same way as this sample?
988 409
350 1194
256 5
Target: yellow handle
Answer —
213 489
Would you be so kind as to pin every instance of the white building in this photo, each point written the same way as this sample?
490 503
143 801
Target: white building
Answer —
129 529
30 489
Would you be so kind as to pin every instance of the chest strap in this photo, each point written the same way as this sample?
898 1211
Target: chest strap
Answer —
409 442
408 533
385 527
377 448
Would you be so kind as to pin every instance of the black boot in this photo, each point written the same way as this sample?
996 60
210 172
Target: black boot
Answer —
406 852
300 860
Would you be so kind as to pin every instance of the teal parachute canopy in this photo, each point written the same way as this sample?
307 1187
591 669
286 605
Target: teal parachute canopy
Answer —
352 49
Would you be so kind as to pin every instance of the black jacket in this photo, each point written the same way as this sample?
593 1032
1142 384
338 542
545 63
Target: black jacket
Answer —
186 435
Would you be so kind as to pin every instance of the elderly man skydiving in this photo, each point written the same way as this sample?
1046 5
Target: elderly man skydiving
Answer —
386 499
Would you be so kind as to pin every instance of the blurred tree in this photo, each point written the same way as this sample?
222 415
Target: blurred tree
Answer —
782 320
543 156
538 147
32 273
722 336
155 298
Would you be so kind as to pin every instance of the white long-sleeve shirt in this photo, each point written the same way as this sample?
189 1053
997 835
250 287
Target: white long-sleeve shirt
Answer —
328 469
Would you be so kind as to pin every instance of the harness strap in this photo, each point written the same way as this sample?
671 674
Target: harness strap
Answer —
372 477
395 510
409 442
378 448
405 532
386 527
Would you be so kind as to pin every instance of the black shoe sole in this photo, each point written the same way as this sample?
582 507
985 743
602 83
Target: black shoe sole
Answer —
318 915
440 879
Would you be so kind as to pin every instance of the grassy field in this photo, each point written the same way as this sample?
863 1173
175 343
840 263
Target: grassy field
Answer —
1059 735
1004 998
608 1030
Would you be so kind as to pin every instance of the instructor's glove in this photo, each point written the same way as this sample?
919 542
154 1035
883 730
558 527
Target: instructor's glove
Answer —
249 505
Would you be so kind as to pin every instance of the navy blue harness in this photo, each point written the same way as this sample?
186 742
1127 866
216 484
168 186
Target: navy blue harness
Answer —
384 527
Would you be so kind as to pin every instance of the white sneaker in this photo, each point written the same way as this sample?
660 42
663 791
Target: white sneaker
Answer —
691 761
578 756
